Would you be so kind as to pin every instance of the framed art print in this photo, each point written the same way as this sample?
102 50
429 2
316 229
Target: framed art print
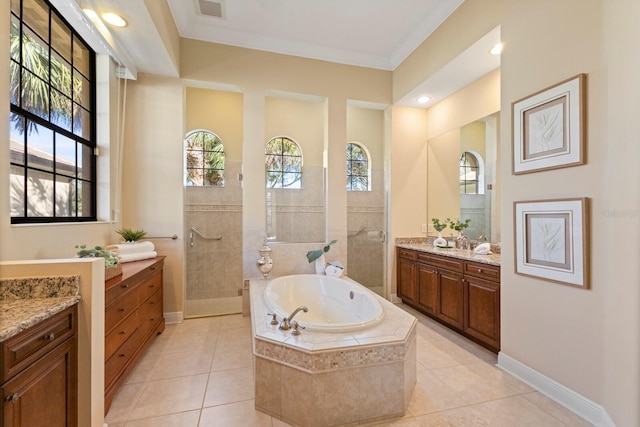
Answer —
551 240
549 127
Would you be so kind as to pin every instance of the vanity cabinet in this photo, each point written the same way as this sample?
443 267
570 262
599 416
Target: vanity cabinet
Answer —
40 374
133 317
407 287
462 294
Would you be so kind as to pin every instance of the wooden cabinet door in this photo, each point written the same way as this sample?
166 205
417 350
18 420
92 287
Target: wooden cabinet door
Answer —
428 288
450 298
45 394
482 316
407 280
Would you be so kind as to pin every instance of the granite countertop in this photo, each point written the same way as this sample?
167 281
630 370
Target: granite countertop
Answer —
493 258
27 301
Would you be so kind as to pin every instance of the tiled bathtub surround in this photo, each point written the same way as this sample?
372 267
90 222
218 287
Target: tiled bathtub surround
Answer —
333 378
26 301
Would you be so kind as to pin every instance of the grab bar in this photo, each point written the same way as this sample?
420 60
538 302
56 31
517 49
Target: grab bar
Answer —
199 233
356 233
174 237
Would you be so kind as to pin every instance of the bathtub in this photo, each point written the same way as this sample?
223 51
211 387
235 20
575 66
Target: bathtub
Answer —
335 304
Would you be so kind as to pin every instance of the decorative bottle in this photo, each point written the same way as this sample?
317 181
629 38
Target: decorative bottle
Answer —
265 263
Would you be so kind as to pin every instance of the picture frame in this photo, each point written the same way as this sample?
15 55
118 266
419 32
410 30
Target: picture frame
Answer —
552 240
549 127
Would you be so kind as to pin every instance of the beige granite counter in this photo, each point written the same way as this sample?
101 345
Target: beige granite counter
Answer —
25 302
421 246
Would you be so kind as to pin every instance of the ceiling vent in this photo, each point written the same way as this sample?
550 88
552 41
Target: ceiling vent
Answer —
211 8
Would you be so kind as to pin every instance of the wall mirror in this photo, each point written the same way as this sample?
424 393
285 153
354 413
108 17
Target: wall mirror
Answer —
294 172
462 179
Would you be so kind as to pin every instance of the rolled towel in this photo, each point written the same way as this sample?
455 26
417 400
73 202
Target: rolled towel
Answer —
131 248
138 256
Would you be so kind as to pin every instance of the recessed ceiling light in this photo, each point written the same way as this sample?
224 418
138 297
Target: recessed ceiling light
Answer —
497 49
423 99
114 19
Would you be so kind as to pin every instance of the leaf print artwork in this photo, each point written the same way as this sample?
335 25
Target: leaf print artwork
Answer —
548 240
546 131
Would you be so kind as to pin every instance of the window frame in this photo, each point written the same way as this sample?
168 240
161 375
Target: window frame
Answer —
86 145
222 152
479 168
349 175
281 171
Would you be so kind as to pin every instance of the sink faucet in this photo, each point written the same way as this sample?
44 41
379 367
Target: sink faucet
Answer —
285 325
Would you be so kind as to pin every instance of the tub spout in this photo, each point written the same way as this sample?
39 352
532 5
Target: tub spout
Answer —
285 325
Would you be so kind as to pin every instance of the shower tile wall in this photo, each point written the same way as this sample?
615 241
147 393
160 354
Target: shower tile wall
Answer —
365 253
214 267
299 213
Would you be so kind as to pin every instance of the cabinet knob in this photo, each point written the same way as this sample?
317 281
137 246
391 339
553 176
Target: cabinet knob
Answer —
122 355
12 398
479 270
50 336
125 286
121 310
122 332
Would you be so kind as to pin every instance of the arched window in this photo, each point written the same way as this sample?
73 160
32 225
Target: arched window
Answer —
283 163
470 174
357 168
204 159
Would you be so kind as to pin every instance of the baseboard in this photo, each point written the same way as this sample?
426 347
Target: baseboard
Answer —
173 318
575 402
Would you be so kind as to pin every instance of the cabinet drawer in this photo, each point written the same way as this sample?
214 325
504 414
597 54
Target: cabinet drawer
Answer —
120 334
149 304
150 321
453 264
121 309
116 363
20 351
151 285
483 271
407 254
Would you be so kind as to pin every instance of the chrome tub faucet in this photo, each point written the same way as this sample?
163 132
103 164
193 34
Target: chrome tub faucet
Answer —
285 325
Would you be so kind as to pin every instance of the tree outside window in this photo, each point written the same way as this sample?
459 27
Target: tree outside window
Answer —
357 168
52 121
283 163
204 159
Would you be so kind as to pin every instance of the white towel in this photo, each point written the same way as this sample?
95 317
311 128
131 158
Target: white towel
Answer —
138 256
131 248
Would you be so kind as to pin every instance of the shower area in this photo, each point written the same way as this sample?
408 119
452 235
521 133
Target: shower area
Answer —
213 203
366 198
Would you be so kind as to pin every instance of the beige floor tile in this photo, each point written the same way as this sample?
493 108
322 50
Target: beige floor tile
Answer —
515 411
473 384
170 396
277 423
201 324
235 321
123 402
459 417
182 419
562 414
180 364
234 385
232 357
195 341
144 369
241 414
160 343
432 395
234 337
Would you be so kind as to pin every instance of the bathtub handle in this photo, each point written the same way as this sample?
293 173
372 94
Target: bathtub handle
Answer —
296 328
274 319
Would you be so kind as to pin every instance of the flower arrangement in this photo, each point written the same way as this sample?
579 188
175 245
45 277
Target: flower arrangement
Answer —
314 255
131 235
110 260
439 226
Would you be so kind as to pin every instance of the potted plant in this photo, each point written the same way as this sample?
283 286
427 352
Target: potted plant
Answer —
439 226
458 225
318 257
131 235
112 267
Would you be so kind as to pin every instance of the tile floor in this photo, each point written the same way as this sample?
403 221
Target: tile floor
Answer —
199 373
